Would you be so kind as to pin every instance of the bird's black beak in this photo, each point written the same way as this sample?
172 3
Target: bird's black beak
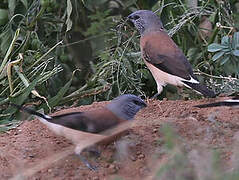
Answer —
143 104
129 18
130 21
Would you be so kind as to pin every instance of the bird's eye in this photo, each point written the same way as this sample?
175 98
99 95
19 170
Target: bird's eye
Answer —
137 102
135 17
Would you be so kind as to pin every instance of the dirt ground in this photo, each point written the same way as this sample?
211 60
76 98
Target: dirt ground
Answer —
134 156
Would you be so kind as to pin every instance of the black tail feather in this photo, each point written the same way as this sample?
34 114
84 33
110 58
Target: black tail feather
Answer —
216 104
31 111
201 88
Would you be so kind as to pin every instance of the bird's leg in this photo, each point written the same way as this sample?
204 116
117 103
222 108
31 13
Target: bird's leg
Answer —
86 162
94 151
155 96
160 89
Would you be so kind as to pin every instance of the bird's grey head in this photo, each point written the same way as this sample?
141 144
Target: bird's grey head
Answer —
145 20
126 106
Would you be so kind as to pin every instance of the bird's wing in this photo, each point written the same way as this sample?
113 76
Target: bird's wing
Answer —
91 121
74 120
159 50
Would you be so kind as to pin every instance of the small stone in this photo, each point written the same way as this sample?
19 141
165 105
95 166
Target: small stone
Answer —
112 166
49 170
141 156
112 169
138 153
155 130
143 170
138 144
31 156
95 178
165 99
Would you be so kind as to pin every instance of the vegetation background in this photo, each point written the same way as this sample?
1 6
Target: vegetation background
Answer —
55 53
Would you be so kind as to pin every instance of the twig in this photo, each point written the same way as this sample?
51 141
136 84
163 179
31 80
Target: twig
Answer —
85 93
215 77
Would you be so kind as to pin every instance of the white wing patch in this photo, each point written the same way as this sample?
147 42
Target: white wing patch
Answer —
162 78
232 100
191 80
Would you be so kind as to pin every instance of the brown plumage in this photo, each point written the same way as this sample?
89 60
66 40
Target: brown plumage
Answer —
90 121
162 56
83 128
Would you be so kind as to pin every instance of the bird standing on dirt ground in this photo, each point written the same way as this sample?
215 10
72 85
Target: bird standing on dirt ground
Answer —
71 125
162 56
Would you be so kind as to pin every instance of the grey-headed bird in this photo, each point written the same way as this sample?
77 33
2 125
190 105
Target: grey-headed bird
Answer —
81 126
162 56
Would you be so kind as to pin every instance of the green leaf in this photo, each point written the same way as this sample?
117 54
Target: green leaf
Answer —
22 97
213 16
11 6
3 16
214 47
68 11
224 60
236 37
217 55
225 40
226 50
5 38
9 51
235 52
24 2
55 100
9 125
235 41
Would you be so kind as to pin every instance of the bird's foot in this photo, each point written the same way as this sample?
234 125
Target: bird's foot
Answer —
93 151
155 96
86 162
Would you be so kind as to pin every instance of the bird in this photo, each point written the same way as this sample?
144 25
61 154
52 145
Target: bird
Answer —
233 102
162 56
80 126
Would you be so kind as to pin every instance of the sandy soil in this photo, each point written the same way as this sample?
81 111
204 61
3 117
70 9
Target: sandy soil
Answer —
134 156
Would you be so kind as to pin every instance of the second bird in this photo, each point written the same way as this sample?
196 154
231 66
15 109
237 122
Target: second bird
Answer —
162 56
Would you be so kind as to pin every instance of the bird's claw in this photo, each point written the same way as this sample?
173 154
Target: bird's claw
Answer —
155 96
95 152
91 167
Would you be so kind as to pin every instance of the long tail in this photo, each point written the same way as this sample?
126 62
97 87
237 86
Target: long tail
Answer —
229 102
45 119
31 111
201 89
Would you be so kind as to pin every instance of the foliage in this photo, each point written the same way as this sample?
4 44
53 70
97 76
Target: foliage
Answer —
26 54
227 53
195 163
195 27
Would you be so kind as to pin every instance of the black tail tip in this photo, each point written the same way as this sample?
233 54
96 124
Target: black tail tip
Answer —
210 94
202 89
